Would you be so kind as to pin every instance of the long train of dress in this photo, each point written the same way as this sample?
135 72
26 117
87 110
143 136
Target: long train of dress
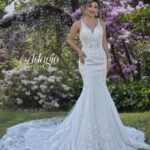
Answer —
92 124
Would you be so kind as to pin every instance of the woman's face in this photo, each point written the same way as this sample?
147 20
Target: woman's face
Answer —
92 9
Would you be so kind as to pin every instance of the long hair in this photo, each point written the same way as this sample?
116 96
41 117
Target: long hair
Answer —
1 44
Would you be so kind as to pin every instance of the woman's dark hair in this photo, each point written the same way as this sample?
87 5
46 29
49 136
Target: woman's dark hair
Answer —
91 1
87 2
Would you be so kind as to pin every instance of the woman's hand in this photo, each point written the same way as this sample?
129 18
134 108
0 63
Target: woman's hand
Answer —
82 56
108 66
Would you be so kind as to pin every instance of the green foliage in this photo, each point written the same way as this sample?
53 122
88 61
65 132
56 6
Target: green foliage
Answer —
133 96
139 21
20 6
3 4
24 5
5 61
139 18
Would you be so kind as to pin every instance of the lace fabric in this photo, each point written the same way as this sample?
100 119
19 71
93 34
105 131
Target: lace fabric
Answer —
92 124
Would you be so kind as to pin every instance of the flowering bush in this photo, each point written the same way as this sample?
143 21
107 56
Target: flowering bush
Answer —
27 87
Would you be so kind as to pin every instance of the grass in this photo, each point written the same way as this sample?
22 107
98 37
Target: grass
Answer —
139 120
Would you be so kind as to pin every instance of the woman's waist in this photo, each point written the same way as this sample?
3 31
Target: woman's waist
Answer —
95 57
97 51
89 62
91 49
93 44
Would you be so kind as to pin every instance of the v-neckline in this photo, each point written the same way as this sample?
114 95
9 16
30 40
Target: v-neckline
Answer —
92 30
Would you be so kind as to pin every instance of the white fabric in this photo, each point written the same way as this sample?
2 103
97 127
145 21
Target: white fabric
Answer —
92 124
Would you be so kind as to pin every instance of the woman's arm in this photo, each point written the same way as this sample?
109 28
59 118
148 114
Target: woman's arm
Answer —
71 40
104 41
71 36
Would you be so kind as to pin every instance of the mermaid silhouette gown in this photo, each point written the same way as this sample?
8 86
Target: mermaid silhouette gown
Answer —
93 123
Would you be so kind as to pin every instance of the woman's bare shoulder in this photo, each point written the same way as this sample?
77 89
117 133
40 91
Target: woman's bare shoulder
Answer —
77 24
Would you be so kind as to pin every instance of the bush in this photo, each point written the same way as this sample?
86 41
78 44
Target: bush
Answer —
28 87
133 96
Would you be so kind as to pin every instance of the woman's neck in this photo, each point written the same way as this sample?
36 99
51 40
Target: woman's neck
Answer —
89 17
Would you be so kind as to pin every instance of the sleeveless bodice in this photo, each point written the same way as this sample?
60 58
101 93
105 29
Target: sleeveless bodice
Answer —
94 68
91 40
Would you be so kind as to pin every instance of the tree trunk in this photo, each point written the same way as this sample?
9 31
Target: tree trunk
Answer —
147 1
75 4
117 62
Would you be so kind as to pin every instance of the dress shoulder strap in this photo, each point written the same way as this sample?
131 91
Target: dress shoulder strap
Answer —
99 22
81 23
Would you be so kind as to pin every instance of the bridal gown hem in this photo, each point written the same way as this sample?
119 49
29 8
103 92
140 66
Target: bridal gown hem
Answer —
92 124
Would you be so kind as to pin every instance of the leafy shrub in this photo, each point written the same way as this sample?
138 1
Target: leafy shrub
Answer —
133 96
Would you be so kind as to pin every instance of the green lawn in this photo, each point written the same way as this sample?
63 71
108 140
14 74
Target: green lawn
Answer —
138 120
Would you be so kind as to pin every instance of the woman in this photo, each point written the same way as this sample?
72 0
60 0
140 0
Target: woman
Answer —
93 123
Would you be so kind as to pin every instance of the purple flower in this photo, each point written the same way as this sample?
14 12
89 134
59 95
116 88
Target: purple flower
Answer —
78 11
123 30
115 77
122 3
126 71
121 10
132 67
129 9
129 1
139 37
108 23
106 3
140 3
123 37
126 25
111 40
114 13
138 7
76 14
135 72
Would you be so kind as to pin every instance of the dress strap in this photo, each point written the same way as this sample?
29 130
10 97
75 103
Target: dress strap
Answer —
81 20
98 21
81 23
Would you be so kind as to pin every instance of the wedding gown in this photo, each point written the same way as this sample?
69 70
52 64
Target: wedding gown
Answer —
92 124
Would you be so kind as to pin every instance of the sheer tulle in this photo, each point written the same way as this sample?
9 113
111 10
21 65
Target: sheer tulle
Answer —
92 124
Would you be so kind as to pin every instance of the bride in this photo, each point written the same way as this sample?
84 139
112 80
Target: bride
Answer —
94 122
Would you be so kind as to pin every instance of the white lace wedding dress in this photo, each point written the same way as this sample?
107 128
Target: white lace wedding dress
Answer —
92 124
